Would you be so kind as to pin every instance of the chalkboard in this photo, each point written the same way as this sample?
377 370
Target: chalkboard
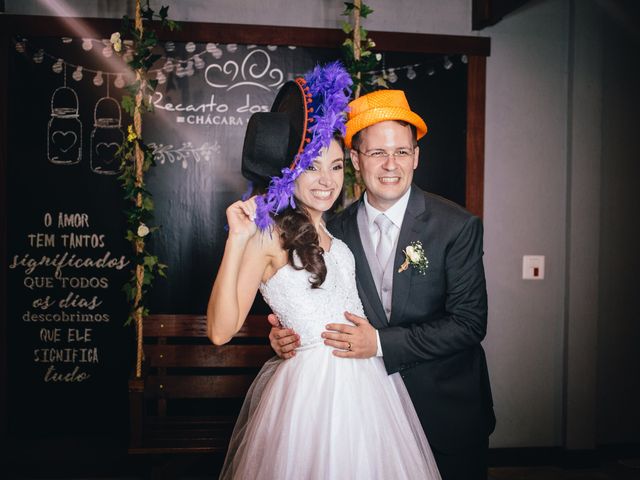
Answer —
68 354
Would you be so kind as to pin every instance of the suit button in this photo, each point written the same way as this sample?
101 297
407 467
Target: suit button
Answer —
385 289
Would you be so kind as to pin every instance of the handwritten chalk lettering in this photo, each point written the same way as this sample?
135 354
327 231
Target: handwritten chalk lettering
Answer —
50 335
75 220
214 120
43 303
248 108
79 335
64 317
74 240
73 300
84 282
62 261
212 106
40 240
76 376
38 282
48 220
66 355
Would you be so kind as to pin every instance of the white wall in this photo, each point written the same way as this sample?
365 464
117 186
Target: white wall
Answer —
541 163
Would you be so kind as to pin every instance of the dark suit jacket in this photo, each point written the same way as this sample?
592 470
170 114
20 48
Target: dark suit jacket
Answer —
437 319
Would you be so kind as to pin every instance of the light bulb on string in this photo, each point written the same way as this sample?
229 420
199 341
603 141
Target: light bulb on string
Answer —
87 44
169 46
431 71
411 73
161 77
98 80
77 74
119 81
20 47
464 59
168 66
189 70
210 47
232 47
392 76
57 66
272 48
107 51
447 64
190 47
66 39
198 62
38 57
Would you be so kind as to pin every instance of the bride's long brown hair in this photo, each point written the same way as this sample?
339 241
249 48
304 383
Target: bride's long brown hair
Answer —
298 234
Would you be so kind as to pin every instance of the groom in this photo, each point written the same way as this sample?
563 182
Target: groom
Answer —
426 324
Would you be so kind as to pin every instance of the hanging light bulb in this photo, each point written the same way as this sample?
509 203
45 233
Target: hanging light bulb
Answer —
411 73
198 62
107 51
393 76
38 57
168 66
291 47
431 71
77 74
20 47
98 80
189 70
57 67
447 64
66 39
87 44
272 48
210 47
217 53
464 59
119 81
190 47
161 77
169 46
232 47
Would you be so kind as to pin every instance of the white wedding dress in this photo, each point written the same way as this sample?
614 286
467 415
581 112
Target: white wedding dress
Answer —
318 416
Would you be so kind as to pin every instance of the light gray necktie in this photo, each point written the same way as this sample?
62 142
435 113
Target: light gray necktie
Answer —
385 243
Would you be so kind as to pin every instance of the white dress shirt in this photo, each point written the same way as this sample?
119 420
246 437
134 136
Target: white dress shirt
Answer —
395 213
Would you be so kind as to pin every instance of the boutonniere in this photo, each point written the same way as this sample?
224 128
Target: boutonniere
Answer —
414 256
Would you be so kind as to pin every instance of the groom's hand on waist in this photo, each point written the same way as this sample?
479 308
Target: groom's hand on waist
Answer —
352 341
284 341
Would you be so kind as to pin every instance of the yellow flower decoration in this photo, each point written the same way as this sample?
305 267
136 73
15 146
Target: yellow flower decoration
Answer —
132 134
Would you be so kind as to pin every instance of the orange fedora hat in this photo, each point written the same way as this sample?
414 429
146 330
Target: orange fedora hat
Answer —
377 107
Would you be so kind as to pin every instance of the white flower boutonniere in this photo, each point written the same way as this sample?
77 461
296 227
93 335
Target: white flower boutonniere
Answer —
414 255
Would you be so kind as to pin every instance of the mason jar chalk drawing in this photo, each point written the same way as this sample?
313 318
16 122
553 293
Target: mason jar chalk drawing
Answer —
64 131
106 137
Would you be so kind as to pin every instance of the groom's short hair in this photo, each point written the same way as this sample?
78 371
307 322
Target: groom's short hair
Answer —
356 141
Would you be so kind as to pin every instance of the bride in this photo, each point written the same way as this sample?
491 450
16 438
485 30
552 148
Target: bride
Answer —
315 416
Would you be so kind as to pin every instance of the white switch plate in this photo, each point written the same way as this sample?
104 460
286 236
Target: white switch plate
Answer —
533 267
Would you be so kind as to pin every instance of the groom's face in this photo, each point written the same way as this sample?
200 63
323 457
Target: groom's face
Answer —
386 157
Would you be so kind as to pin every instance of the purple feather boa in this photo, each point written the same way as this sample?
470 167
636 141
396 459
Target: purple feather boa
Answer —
330 90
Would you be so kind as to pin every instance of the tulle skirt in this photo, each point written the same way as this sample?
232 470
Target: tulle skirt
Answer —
317 416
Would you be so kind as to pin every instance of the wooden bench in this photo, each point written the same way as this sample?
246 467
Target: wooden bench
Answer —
191 391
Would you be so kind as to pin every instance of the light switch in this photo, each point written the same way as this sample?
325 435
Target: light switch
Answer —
533 267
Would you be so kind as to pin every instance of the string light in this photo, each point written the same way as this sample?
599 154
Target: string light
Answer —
87 44
98 80
411 73
66 39
431 71
199 63
447 64
272 48
169 46
77 74
464 59
190 47
57 67
393 76
20 47
38 57
232 47
119 82
107 51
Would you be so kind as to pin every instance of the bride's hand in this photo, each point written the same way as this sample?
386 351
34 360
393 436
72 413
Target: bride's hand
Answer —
240 218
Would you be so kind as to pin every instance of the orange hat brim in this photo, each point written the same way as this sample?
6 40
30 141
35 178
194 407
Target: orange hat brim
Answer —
381 114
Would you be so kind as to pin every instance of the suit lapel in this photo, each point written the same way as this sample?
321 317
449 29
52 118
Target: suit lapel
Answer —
408 233
364 278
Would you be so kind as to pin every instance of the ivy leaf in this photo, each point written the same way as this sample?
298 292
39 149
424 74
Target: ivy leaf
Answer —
163 13
347 27
348 8
365 10
128 104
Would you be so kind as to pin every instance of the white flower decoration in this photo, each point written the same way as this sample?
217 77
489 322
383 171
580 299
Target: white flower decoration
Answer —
143 230
414 255
116 41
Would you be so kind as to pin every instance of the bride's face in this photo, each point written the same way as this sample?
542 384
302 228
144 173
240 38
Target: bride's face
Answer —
320 185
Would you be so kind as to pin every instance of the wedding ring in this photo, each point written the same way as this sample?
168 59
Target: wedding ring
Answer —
349 346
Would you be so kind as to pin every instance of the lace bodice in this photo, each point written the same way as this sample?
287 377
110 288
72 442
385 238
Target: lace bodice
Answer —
308 310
